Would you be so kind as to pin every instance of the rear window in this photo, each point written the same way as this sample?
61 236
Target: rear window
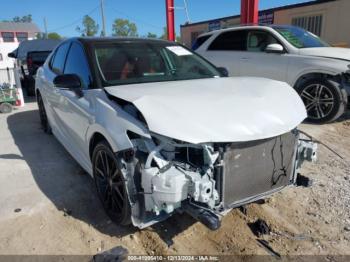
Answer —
230 41
39 56
200 41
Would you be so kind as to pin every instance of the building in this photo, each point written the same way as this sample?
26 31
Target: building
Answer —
11 34
328 19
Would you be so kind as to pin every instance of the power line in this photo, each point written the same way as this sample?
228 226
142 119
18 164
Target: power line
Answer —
75 21
134 19
185 7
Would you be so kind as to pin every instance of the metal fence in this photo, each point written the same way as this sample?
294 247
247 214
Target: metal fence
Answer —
10 77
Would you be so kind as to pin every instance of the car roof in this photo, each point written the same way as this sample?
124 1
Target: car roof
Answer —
238 27
87 40
37 45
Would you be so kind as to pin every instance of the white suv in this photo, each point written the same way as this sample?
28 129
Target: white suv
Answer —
319 72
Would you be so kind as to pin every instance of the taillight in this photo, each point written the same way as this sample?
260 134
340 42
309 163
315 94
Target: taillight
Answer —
29 62
18 100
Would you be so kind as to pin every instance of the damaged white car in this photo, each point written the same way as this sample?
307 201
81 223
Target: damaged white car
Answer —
162 130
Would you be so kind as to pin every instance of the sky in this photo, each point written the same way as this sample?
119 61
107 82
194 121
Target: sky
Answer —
63 16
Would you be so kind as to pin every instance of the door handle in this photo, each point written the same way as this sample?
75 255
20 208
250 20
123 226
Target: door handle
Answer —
245 58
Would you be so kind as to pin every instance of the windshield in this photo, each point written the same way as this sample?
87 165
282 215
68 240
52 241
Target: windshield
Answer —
143 62
300 38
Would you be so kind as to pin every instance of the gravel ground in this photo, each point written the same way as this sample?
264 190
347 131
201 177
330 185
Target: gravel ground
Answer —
48 205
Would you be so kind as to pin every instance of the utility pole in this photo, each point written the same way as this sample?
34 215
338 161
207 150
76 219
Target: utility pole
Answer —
249 12
45 27
103 33
187 13
170 18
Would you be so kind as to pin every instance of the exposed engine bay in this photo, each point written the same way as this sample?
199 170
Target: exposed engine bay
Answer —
207 180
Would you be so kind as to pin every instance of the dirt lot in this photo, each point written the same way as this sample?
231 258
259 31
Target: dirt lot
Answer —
48 205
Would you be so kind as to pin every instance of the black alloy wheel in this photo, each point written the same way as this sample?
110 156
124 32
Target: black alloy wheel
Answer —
110 184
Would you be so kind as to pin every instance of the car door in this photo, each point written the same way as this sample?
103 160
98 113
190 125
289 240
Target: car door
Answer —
226 50
76 108
255 61
51 94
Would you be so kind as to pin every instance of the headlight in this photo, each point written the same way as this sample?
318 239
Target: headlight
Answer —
348 71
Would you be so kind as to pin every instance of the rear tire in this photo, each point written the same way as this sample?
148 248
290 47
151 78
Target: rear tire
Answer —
323 100
110 184
43 116
31 86
5 108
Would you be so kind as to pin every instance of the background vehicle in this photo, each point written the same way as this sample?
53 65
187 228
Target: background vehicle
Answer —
30 55
160 131
36 59
318 72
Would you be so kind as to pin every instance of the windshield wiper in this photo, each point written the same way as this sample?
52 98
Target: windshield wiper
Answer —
173 71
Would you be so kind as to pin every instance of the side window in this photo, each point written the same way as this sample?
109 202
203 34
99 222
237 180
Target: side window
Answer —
200 41
77 64
257 41
230 41
57 62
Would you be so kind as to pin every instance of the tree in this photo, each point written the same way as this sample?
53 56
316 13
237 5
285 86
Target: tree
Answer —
151 35
165 33
40 36
54 35
123 27
23 19
89 28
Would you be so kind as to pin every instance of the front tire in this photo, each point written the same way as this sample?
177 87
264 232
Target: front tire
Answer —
322 99
110 184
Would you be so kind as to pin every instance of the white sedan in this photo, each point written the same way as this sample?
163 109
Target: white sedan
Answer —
161 131
318 72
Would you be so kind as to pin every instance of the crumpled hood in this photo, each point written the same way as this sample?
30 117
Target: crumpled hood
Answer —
217 109
330 52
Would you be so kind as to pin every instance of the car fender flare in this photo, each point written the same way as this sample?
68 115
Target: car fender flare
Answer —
96 128
311 71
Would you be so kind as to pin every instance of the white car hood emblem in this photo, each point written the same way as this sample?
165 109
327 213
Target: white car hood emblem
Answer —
217 109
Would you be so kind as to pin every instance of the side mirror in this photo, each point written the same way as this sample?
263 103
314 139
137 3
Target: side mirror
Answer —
12 55
274 48
223 71
68 81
